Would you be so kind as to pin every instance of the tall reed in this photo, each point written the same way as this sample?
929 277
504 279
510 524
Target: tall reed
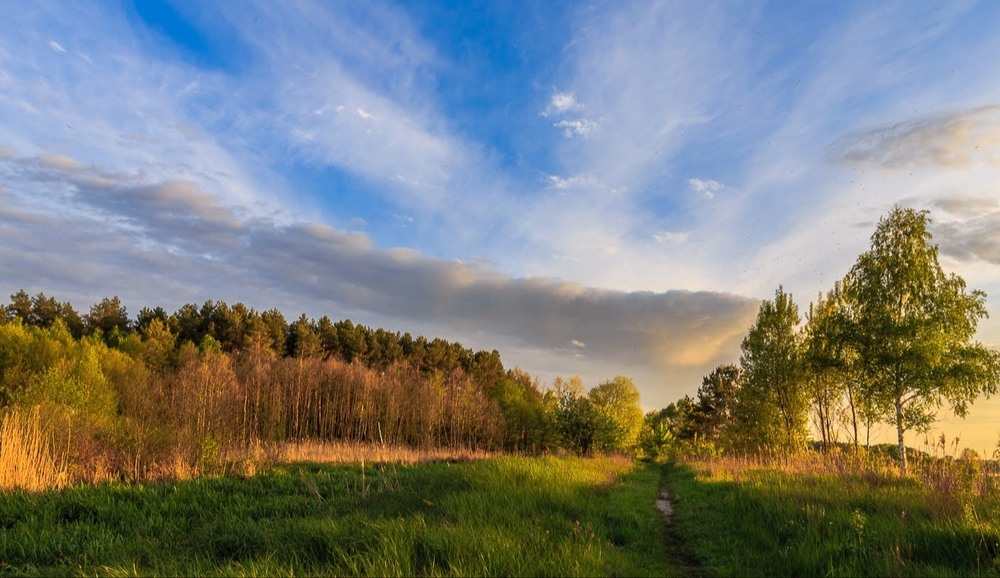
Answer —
27 459
319 451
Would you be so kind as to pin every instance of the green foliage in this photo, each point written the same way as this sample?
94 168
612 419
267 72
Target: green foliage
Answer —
503 517
617 415
20 306
573 415
828 357
109 317
711 416
913 327
26 352
209 345
77 383
772 403
158 345
656 440
181 394
303 339
892 342
523 410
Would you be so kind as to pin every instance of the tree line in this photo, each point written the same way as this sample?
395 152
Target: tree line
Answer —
892 342
135 397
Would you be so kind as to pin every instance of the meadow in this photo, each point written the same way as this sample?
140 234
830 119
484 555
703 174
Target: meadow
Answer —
510 516
842 514
390 512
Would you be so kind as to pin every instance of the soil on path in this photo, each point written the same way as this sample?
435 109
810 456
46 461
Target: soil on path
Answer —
677 553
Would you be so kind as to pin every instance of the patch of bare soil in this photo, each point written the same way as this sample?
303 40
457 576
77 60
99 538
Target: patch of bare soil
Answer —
663 505
680 557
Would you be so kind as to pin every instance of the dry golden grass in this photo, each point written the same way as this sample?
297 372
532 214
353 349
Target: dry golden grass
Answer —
27 459
952 486
835 462
358 452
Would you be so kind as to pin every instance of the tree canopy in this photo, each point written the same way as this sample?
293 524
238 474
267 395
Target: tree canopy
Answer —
891 342
913 328
771 404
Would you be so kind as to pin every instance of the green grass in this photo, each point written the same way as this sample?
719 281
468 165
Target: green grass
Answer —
504 516
774 522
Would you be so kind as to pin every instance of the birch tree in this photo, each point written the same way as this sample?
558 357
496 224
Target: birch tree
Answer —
827 360
914 328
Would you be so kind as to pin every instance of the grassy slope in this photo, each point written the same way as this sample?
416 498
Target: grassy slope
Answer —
771 523
505 516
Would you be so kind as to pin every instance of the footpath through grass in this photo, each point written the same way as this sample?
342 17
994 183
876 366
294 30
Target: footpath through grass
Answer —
816 518
499 517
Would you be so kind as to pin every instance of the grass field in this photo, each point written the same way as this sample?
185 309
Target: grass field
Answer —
502 516
516 516
837 517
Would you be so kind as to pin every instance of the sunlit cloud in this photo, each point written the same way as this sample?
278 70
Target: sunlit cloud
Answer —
953 141
59 162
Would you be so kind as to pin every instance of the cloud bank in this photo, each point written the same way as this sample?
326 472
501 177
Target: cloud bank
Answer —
163 241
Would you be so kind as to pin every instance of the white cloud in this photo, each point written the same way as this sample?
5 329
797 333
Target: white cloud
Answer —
673 237
56 46
580 127
565 102
561 103
704 187
342 61
574 182
635 67
638 67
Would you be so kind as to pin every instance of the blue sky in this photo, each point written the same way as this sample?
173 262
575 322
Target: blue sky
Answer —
592 188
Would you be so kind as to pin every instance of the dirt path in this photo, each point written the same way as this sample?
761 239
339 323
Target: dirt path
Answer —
663 504
677 553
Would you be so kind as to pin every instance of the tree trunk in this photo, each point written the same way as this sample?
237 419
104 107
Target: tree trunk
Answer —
899 434
854 415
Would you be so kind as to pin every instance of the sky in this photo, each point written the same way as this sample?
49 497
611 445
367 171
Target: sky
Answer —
592 188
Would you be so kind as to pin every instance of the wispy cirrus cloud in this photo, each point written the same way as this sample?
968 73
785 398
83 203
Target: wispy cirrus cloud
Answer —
148 124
